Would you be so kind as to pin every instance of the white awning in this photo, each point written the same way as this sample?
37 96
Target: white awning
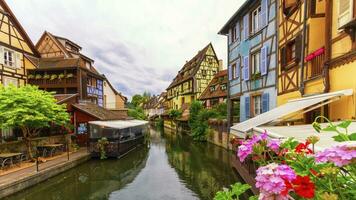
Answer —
119 124
292 106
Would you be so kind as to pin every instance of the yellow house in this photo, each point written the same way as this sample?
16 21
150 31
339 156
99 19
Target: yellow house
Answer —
17 53
317 53
301 44
193 78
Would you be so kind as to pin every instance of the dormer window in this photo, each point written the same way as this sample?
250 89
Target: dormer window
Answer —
290 6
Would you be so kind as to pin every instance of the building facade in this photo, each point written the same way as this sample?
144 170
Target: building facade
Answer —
193 78
17 54
252 59
216 92
113 100
64 70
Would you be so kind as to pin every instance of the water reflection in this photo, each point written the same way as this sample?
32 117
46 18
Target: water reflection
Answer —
173 167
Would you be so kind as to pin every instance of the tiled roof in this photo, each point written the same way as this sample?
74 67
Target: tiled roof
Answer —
190 68
99 112
62 98
207 94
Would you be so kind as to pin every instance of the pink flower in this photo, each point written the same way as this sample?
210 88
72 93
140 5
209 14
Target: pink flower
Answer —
274 145
244 150
271 179
339 155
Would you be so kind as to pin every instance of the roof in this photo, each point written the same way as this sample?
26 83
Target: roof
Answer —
45 63
239 13
301 132
99 112
289 108
62 98
69 41
190 68
151 102
20 28
120 124
216 81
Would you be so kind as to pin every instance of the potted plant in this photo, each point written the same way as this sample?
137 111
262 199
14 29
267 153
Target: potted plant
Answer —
46 76
31 76
60 76
70 75
53 76
256 76
38 76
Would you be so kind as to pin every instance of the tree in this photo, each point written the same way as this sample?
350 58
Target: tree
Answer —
30 110
137 99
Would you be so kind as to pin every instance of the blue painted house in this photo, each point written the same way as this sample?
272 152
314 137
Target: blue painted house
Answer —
252 59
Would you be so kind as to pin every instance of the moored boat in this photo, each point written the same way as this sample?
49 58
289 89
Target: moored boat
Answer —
122 136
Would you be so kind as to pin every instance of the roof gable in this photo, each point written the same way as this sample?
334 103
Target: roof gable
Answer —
49 46
12 33
190 68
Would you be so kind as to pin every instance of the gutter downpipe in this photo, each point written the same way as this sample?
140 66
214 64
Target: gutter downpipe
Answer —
301 89
328 17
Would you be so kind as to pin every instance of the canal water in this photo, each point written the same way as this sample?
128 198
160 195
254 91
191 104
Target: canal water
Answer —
172 166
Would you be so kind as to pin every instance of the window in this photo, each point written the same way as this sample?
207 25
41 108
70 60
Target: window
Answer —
256 20
203 72
290 6
223 87
290 52
345 8
255 65
10 81
214 72
257 107
212 88
233 73
9 59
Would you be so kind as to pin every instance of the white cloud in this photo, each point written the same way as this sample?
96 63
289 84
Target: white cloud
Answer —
140 44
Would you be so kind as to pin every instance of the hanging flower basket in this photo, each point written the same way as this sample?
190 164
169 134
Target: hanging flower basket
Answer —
53 76
46 76
38 76
60 76
70 75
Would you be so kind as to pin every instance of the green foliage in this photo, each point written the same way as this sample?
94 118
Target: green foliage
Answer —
30 109
175 114
137 100
194 110
331 127
221 110
234 193
137 113
160 123
101 146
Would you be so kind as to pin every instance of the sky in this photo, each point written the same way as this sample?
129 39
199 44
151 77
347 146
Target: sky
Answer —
139 45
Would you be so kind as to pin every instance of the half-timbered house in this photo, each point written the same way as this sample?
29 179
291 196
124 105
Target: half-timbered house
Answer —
216 92
17 53
65 70
252 59
193 78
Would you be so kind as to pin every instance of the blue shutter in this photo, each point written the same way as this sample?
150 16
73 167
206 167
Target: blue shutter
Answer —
229 36
246 27
264 60
265 102
237 28
246 68
264 13
247 107
237 70
230 72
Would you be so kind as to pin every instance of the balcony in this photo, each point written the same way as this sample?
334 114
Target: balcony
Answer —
55 83
315 64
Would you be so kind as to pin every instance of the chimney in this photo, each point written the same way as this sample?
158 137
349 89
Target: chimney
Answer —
220 65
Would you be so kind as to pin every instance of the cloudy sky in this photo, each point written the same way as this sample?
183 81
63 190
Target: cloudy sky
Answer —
138 44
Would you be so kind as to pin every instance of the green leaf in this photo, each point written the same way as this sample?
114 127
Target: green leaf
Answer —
352 136
330 128
253 197
344 124
316 126
338 138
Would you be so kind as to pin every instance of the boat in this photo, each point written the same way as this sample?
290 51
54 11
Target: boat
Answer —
122 136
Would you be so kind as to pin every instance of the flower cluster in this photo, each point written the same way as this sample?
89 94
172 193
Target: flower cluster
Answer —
339 155
246 147
271 180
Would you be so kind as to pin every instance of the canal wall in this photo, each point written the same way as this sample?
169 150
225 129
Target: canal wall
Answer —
218 133
23 181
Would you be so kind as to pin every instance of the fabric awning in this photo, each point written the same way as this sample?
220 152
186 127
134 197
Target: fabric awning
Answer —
290 107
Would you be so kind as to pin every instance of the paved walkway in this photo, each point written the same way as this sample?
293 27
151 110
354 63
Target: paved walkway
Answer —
31 170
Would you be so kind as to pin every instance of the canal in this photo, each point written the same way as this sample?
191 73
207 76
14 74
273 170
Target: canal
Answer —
172 166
